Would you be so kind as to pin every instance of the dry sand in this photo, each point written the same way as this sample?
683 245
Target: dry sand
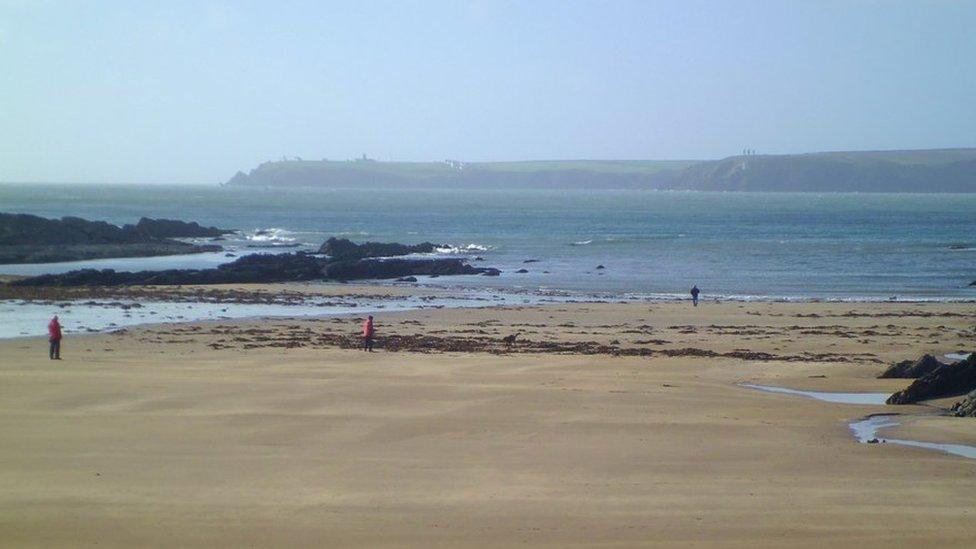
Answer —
279 437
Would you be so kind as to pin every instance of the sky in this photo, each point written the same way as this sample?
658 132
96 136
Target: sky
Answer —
191 92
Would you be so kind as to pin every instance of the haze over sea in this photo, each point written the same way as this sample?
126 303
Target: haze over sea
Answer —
732 245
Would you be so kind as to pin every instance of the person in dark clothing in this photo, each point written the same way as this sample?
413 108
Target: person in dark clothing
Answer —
368 331
694 295
54 337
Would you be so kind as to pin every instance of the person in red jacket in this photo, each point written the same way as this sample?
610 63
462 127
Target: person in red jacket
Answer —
54 336
368 334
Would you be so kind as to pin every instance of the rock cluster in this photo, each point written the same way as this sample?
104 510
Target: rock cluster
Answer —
25 229
258 268
912 369
345 249
173 228
31 239
947 380
396 268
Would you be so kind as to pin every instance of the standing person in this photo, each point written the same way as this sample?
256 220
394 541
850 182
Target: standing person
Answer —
368 331
694 294
54 337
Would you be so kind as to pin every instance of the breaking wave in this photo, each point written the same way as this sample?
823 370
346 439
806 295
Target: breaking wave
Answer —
449 249
271 235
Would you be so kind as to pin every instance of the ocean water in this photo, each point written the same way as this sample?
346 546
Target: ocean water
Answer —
653 244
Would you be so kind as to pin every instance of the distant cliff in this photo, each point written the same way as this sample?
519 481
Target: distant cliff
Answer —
921 171
607 174
935 170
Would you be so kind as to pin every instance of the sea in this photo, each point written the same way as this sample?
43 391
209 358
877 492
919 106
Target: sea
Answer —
650 244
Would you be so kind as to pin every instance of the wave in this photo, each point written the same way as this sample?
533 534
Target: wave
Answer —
627 239
271 235
449 249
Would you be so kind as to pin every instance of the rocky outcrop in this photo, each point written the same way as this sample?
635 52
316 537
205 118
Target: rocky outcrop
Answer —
949 380
966 407
912 369
259 268
396 268
82 252
248 269
344 249
173 228
31 239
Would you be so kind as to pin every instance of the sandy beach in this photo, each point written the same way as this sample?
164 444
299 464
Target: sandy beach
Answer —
607 424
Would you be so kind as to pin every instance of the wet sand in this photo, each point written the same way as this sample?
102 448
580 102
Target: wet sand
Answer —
606 424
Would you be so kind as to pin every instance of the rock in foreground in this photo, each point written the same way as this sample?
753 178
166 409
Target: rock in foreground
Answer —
909 369
949 380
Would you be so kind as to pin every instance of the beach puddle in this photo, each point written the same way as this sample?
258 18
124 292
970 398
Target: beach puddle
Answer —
839 398
866 432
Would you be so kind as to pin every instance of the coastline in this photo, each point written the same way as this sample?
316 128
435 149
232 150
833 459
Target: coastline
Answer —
458 440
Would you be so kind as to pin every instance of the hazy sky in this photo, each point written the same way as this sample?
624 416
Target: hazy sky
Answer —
175 91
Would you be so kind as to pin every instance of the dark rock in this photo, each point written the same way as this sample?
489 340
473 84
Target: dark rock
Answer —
395 268
966 407
230 255
912 369
949 380
522 271
600 267
254 268
973 283
19 229
247 269
82 252
340 249
32 239
173 228
407 279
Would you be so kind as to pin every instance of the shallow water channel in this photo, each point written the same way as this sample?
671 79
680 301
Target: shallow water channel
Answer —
865 430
